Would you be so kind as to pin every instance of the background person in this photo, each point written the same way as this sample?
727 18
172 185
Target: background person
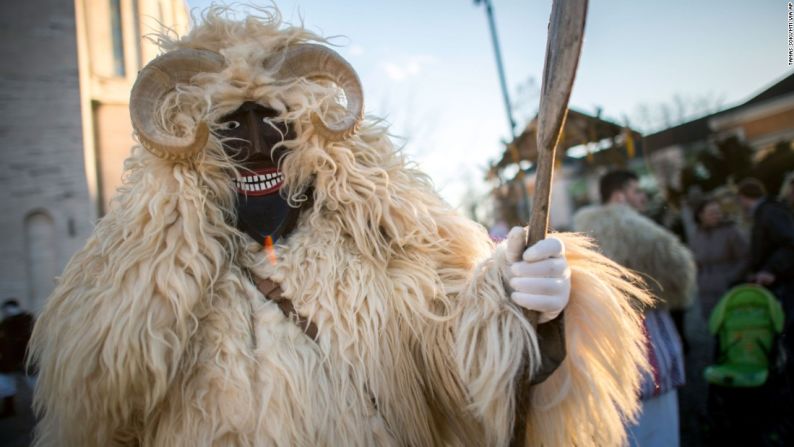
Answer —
772 266
720 251
786 196
772 241
15 330
636 242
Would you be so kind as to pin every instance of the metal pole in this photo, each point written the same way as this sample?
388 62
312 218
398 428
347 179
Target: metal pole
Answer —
506 97
499 66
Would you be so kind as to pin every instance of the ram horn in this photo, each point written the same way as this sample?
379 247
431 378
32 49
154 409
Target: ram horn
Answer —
314 61
155 80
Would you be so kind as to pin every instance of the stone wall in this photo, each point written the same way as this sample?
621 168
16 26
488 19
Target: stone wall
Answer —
46 211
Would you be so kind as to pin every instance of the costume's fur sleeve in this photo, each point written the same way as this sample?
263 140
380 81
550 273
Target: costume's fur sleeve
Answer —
110 338
636 242
593 392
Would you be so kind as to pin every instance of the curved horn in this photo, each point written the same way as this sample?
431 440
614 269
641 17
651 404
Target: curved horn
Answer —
157 78
319 62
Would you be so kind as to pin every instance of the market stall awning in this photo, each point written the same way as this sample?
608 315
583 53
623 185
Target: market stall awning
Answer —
580 128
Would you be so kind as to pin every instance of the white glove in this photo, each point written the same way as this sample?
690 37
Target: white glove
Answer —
542 280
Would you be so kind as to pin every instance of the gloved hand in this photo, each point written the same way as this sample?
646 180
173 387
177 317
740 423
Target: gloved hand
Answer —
538 276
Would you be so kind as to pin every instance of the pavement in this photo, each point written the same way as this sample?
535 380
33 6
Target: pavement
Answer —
692 397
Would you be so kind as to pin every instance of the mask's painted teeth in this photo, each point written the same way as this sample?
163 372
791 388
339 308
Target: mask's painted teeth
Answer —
260 183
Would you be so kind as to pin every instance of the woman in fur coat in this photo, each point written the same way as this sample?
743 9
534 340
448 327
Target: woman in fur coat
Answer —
374 314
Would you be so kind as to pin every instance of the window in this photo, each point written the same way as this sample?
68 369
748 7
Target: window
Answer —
137 24
40 251
118 38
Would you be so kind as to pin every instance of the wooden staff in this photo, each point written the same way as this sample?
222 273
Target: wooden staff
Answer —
566 32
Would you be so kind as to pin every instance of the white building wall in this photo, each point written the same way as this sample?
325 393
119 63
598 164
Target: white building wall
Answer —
46 211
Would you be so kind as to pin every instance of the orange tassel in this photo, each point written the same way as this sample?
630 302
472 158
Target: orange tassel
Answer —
270 250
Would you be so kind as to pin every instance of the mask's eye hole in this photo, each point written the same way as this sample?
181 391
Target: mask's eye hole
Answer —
231 125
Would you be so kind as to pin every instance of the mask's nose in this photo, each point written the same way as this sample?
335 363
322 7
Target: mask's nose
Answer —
256 133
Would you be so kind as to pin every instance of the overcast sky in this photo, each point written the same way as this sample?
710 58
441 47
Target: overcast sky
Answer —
428 66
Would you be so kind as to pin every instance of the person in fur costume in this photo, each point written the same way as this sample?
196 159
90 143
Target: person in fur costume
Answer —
306 285
636 242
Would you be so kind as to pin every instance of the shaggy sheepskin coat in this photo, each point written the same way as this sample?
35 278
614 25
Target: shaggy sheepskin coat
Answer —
640 244
157 336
